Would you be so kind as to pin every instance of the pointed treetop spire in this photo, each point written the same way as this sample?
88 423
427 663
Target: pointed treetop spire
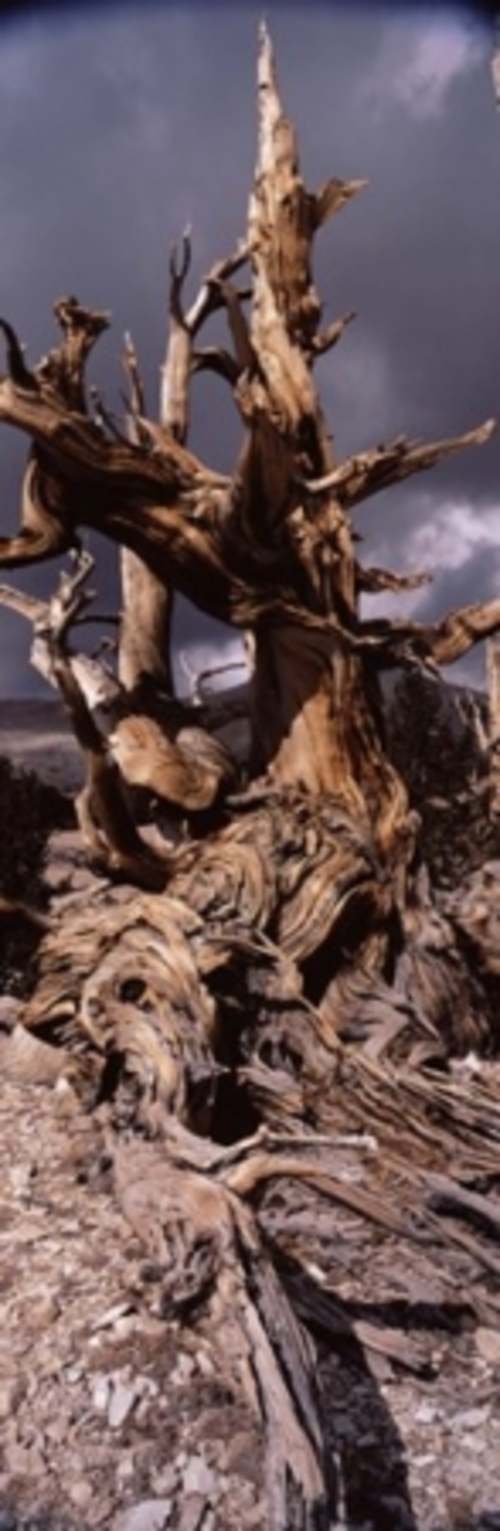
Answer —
276 134
266 63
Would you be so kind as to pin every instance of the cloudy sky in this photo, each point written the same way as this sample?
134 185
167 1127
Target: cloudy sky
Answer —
120 123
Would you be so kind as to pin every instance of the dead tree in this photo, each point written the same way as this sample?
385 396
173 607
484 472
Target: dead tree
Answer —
302 916
269 548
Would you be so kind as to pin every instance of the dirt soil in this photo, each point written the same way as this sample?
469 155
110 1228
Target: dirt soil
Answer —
114 1415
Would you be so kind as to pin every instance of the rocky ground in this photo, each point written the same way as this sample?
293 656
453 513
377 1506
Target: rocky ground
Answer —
113 1415
109 1415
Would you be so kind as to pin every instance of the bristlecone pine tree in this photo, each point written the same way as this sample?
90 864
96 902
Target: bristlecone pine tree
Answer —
219 992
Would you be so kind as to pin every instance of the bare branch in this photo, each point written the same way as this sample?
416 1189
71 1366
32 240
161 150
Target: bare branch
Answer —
54 617
198 678
103 417
43 534
25 605
216 359
365 474
64 367
372 581
137 403
440 643
18 370
460 630
146 605
102 808
191 470
329 337
238 325
81 326
210 297
178 274
71 595
330 197
175 371
81 451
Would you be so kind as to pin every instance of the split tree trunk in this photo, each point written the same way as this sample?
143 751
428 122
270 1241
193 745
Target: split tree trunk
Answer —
144 651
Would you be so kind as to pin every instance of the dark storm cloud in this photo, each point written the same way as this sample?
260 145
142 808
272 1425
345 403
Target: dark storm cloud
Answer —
120 123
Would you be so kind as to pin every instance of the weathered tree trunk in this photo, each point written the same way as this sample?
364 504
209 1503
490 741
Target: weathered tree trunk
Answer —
146 600
146 614
145 626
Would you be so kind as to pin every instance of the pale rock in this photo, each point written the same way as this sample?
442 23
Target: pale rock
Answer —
101 1389
150 1515
81 1493
473 1442
198 1478
121 1403
195 1515
183 1370
472 1419
124 1327
110 1317
74 1373
125 1470
20 1179
204 1363
143 1410
427 1414
488 1344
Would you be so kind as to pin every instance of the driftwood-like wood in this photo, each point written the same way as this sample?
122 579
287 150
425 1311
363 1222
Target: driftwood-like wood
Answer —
280 972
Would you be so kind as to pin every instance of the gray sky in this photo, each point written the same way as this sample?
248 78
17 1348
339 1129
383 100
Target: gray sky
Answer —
121 123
